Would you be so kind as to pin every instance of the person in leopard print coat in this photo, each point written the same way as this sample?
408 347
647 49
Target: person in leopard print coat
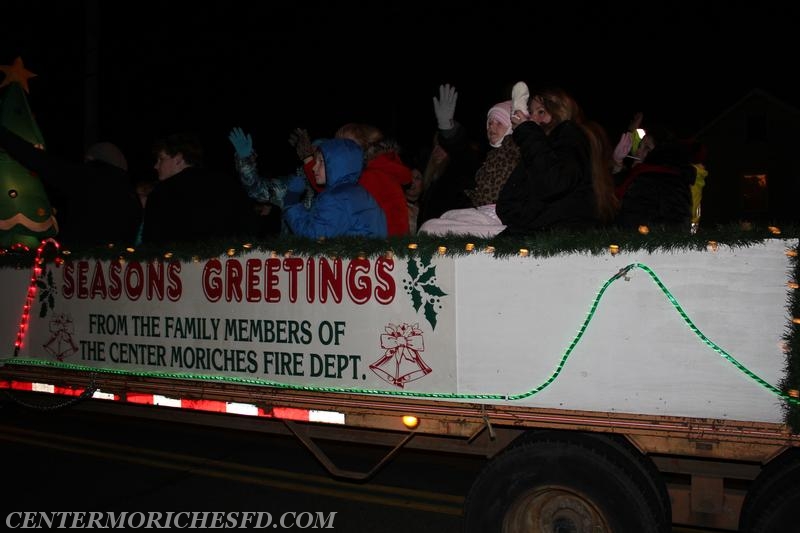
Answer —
500 160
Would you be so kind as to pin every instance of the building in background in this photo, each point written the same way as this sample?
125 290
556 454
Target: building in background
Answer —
753 162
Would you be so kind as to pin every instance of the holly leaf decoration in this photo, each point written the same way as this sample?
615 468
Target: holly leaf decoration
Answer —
416 299
421 287
427 275
46 293
433 290
413 271
430 314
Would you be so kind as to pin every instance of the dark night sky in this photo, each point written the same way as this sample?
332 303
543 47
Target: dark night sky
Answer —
174 66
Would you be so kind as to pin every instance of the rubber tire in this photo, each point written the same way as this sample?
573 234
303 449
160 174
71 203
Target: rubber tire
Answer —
774 497
594 472
780 516
641 468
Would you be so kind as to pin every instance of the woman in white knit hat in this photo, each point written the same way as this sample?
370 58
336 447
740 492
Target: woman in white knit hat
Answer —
501 158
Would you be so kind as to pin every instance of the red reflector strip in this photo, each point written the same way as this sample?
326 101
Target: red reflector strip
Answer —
17 385
143 399
216 406
290 413
204 405
67 391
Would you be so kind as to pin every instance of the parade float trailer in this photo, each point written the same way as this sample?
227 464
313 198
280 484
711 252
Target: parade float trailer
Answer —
622 387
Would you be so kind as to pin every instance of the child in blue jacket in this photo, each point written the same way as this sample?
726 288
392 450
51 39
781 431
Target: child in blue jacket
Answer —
343 208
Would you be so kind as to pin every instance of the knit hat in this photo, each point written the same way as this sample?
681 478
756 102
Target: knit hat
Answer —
501 113
107 153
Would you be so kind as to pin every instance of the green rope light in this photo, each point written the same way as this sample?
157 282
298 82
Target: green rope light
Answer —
440 395
708 342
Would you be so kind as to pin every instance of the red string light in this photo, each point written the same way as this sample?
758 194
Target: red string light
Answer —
29 299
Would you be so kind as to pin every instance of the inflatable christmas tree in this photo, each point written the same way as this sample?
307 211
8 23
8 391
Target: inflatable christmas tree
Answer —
26 216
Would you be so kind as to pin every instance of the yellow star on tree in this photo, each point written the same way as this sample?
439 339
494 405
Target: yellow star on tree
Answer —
16 72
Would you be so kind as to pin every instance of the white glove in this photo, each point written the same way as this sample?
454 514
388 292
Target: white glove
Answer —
519 98
445 106
623 147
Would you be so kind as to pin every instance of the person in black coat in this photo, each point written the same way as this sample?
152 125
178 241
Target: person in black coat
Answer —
657 191
563 179
95 201
191 203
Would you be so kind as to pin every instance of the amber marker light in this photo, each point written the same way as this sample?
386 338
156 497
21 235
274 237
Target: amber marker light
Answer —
410 421
614 249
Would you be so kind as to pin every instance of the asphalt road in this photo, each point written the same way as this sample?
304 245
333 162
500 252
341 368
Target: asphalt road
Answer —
69 459
74 460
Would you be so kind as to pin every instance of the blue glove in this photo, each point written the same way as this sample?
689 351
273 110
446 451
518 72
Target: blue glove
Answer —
241 142
295 189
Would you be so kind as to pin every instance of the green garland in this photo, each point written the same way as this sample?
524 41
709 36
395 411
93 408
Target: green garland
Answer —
543 244
791 382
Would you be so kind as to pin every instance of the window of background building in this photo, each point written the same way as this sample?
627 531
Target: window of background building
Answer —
755 194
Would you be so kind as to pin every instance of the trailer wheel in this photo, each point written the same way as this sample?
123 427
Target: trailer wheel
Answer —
561 485
773 499
620 451
780 515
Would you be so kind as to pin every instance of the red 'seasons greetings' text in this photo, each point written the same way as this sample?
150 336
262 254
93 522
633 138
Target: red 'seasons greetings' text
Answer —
273 280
